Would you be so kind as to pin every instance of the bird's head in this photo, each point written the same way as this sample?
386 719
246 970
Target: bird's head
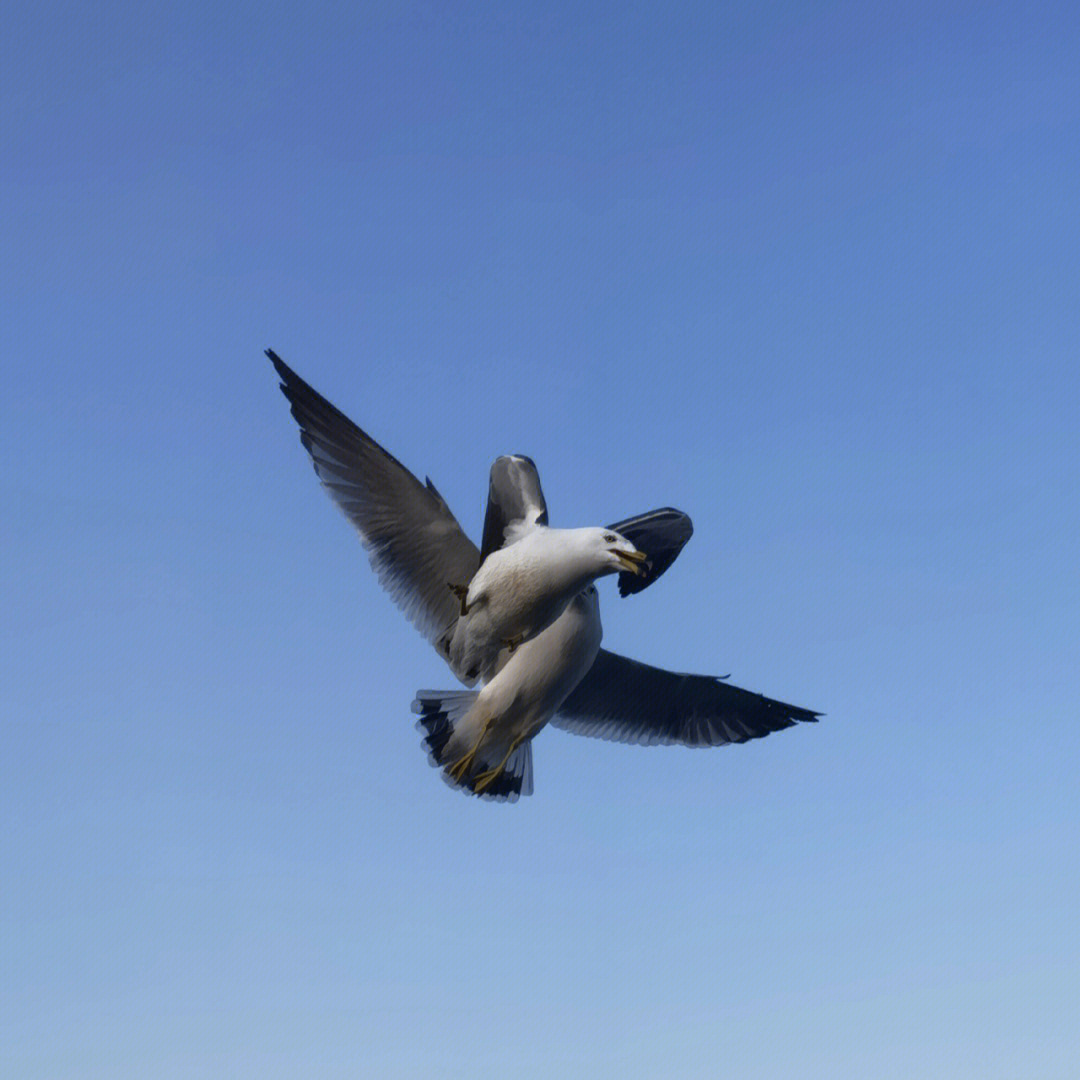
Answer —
612 553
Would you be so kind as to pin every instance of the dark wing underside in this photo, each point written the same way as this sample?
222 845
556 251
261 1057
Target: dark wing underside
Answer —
661 535
415 544
515 499
626 701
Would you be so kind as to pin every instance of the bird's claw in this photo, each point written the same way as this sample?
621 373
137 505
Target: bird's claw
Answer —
485 779
460 767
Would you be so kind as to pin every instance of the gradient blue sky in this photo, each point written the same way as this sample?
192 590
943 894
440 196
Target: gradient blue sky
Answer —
809 272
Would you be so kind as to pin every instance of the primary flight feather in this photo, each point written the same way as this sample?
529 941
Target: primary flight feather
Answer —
521 613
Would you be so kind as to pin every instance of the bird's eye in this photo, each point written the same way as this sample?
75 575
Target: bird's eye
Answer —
611 538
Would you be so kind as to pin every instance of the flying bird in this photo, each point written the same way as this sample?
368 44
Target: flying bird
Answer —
525 585
482 740
521 613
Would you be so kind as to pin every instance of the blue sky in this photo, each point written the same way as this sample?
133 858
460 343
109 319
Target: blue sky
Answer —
808 272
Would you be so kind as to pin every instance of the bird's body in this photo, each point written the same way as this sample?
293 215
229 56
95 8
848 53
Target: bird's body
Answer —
522 588
491 729
519 611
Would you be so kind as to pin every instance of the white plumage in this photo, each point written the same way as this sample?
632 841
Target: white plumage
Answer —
521 589
491 729
531 622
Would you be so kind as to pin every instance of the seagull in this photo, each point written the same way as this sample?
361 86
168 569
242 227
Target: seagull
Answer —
482 740
524 586
554 669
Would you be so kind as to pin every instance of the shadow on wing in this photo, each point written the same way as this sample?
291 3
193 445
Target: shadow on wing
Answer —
627 701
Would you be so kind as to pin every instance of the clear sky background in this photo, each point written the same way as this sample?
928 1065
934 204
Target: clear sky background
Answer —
809 272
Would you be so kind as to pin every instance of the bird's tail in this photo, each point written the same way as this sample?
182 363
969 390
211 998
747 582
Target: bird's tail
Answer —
452 729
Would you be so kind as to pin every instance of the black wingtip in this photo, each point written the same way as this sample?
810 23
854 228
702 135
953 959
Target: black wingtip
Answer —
283 369
661 534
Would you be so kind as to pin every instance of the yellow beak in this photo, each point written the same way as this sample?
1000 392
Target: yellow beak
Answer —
634 561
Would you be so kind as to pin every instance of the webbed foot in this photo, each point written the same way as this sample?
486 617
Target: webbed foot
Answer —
485 779
460 767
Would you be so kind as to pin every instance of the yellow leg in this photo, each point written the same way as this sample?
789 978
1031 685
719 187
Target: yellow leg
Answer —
489 776
460 767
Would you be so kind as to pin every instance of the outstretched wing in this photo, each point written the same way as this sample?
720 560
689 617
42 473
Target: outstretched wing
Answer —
514 500
414 542
626 701
661 534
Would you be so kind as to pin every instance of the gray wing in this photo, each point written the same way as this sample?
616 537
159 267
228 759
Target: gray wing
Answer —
415 544
625 701
514 498
661 534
